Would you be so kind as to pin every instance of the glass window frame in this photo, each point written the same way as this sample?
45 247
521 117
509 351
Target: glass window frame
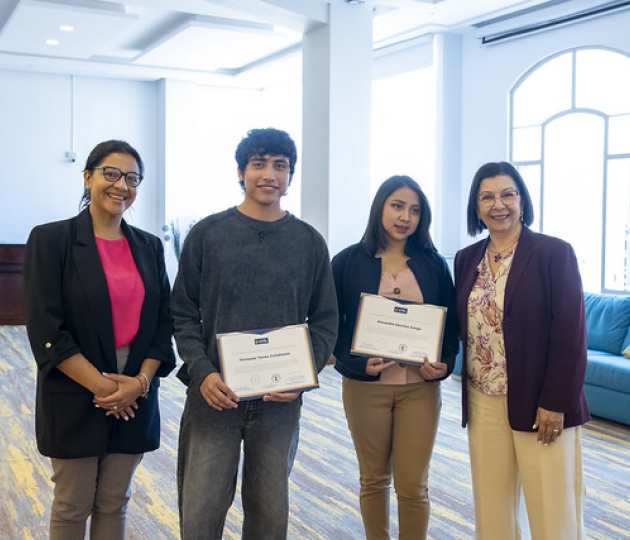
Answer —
539 164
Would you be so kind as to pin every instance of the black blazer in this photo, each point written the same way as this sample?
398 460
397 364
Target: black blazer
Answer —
68 311
356 271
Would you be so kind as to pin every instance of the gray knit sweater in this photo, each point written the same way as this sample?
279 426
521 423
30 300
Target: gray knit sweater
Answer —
237 274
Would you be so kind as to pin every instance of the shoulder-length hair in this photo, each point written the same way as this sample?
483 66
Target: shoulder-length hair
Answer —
490 170
375 238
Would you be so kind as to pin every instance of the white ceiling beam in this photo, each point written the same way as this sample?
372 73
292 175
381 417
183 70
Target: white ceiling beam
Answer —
65 66
316 10
299 15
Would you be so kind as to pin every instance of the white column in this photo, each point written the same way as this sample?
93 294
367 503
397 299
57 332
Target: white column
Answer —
449 215
336 132
174 165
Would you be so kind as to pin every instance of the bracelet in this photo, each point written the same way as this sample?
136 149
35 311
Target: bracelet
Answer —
140 382
143 389
146 386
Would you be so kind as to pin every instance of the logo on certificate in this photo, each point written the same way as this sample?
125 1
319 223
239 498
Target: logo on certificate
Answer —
403 310
261 341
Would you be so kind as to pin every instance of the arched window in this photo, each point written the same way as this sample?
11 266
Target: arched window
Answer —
570 139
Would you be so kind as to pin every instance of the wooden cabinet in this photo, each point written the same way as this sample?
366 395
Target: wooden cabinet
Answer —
11 284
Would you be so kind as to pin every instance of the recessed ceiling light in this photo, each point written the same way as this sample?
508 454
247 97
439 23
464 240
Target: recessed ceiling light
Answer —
66 28
52 42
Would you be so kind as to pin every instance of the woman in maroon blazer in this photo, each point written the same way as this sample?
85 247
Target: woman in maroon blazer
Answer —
98 320
521 313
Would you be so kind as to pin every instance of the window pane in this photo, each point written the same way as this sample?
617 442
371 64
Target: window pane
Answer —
603 81
619 134
545 92
617 245
531 176
404 147
527 144
573 189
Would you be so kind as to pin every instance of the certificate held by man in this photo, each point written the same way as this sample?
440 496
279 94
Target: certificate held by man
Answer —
258 362
400 331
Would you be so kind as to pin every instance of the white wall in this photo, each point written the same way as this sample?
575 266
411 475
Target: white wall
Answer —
45 116
490 71
36 184
114 109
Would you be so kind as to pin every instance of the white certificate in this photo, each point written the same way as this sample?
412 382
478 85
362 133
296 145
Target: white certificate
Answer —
274 360
399 331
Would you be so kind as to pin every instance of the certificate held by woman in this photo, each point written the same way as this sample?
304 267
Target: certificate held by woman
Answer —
401 331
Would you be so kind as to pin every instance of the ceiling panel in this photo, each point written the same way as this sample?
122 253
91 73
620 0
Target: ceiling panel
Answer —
209 46
33 22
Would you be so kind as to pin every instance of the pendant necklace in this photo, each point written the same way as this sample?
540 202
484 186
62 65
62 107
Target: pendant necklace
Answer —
498 255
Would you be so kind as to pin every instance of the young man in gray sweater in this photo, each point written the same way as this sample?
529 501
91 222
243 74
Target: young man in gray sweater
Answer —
251 267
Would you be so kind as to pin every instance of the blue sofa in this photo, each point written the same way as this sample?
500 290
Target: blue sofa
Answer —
607 381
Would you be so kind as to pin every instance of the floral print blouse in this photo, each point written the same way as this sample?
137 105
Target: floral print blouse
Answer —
485 346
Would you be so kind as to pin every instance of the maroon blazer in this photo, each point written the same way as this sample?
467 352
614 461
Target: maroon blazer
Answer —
543 327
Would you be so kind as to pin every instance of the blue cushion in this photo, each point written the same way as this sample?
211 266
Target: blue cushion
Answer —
626 341
608 370
608 403
607 321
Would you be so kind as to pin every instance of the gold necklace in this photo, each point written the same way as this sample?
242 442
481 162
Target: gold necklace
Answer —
498 255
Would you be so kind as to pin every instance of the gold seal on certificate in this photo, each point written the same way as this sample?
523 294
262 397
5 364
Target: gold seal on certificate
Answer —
262 361
399 331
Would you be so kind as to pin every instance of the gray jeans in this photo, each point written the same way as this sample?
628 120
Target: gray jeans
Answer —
209 452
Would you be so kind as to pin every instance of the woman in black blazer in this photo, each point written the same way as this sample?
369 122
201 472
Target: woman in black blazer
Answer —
393 409
98 321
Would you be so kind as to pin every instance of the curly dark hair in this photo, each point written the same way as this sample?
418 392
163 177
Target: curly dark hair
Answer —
102 151
375 238
263 141
490 170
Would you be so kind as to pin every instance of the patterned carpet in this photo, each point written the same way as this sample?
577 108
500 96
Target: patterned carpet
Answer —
324 481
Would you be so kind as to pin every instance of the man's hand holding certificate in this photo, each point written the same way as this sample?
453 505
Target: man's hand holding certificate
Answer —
257 363
399 331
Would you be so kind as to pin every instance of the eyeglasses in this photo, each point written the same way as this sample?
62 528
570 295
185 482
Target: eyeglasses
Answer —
112 174
507 198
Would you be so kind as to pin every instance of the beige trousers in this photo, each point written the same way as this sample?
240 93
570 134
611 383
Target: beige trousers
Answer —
393 428
94 486
522 489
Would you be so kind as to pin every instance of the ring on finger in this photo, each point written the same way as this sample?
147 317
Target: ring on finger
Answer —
115 407
556 430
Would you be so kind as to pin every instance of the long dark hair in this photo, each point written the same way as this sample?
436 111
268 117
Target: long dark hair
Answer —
102 151
375 238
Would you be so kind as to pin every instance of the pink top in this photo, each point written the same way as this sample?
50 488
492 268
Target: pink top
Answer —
126 289
404 287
